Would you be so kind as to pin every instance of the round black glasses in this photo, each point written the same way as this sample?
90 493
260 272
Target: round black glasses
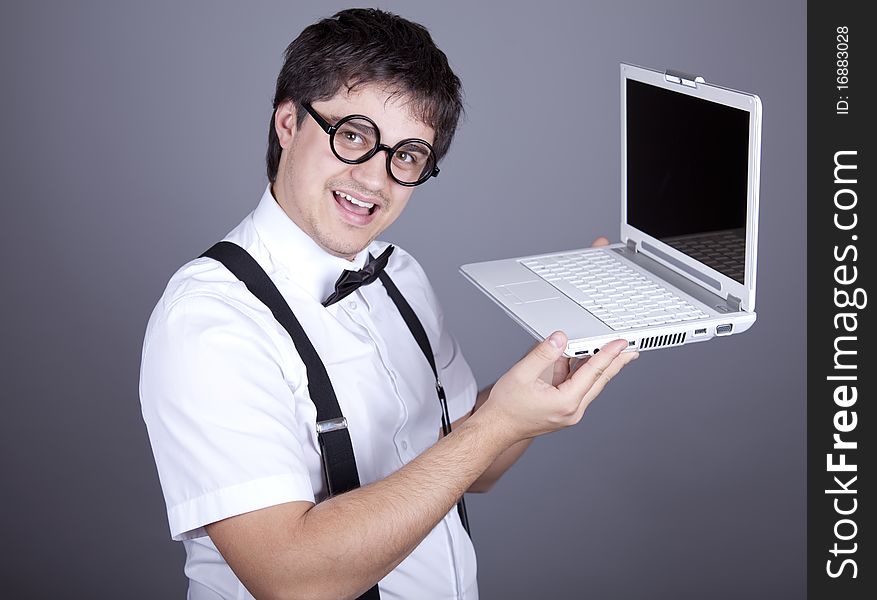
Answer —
356 138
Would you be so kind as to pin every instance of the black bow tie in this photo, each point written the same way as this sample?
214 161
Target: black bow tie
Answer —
350 281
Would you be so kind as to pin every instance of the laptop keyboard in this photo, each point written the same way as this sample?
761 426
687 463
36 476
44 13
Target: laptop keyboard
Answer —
620 296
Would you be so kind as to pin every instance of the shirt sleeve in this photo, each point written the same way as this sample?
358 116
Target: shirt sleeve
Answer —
220 414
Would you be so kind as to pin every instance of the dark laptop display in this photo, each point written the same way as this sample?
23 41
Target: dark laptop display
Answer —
687 174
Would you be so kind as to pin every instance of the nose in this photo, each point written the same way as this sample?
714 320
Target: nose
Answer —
372 174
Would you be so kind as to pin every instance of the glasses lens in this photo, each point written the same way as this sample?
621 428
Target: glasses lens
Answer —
354 138
412 161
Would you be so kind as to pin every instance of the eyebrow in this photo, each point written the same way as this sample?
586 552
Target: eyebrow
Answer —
414 149
361 127
333 119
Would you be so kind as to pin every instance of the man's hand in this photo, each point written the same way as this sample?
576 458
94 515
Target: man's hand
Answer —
525 406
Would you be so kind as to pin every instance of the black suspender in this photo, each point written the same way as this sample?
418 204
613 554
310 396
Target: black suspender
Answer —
339 463
419 334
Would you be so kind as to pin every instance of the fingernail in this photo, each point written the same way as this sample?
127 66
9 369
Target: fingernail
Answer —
556 340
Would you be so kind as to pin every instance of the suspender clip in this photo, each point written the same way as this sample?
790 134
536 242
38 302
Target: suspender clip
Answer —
331 425
440 390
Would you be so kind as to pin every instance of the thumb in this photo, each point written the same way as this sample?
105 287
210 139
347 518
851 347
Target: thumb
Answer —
541 357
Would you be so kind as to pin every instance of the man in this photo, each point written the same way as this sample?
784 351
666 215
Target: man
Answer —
365 107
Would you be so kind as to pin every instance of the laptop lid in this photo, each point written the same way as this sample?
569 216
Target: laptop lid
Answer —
690 177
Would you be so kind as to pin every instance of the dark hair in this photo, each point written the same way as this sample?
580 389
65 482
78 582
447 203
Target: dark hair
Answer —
360 46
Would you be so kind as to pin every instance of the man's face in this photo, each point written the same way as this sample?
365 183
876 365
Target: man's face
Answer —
314 188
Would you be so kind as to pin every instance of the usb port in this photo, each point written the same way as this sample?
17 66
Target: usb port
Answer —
724 329
700 331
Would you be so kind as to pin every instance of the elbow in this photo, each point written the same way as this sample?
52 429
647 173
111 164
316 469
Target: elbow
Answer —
308 592
481 486
309 585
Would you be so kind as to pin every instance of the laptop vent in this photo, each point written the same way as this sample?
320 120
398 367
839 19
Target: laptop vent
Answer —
660 341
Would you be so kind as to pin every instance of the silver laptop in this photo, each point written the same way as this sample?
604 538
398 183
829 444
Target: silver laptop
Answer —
685 269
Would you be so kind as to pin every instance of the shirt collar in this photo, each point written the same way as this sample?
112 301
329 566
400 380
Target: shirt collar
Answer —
296 254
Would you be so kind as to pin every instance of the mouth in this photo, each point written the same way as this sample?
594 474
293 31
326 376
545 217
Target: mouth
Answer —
355 210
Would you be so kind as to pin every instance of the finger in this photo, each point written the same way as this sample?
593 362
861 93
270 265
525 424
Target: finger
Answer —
561 368
600 242
585 376
559 371
605 377
540 358
547 375
551 373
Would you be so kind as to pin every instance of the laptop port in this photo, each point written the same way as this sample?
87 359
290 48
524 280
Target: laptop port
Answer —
700 331
724 329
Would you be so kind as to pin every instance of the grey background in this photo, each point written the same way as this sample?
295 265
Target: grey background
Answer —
134 136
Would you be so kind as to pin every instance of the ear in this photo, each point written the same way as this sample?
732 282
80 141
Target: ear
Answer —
285 122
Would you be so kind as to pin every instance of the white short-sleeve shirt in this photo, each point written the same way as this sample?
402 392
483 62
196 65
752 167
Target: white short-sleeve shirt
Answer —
232 427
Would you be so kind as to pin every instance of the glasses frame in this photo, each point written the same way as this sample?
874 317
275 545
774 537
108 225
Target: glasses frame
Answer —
390 150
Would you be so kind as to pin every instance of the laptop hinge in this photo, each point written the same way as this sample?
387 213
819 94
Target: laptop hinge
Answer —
631 245
685 79
733 303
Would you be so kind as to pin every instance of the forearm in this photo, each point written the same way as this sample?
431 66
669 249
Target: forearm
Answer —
555 373
503 462
341 547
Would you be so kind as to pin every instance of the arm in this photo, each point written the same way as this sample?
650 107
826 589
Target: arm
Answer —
503 462
296 549
555 375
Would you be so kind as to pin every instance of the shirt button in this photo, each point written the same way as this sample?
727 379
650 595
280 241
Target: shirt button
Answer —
351 305
404 445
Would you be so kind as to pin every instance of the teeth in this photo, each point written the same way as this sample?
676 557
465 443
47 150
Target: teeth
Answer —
353 200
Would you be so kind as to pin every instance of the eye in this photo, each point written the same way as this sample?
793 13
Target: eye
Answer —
356 133
406 157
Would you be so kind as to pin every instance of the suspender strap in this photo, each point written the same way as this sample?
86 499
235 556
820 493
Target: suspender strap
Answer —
411 320
419 334
339 463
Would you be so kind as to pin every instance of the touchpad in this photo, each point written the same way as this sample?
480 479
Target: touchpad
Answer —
531 291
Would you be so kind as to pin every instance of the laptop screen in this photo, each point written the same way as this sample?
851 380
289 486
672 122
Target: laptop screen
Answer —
687 174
